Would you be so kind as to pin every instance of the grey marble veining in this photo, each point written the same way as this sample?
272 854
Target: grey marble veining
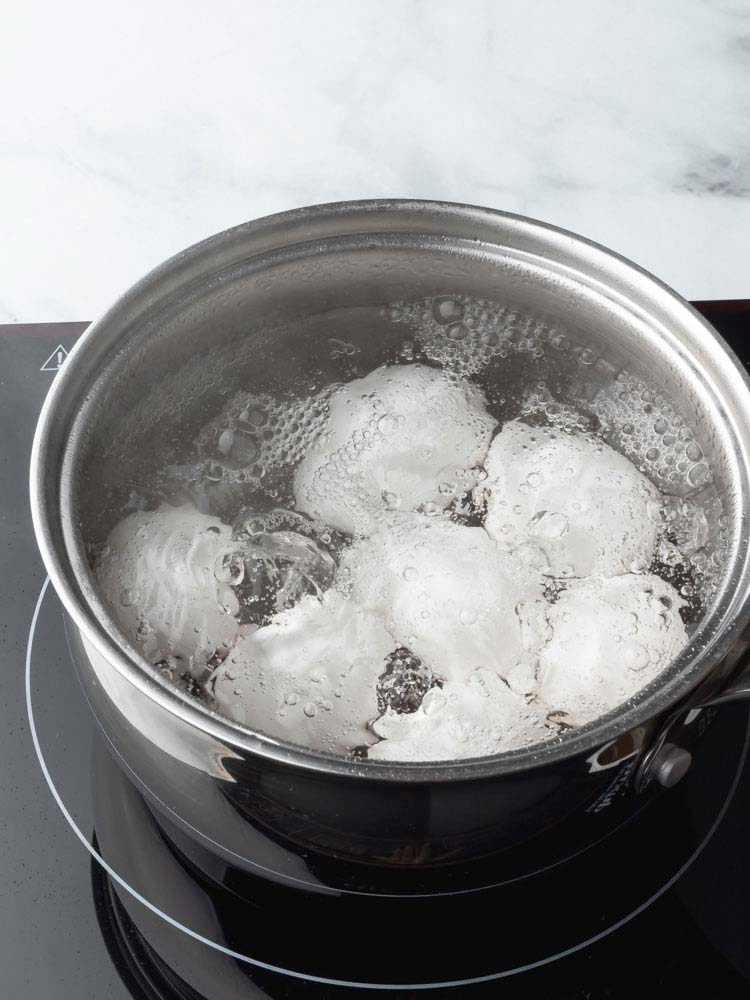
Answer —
129 132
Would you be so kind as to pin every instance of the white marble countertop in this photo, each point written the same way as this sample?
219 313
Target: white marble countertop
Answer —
129 131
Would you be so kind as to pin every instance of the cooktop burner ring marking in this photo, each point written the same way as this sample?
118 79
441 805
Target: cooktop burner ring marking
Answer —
446 984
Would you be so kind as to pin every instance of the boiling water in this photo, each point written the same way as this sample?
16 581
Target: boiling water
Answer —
477 543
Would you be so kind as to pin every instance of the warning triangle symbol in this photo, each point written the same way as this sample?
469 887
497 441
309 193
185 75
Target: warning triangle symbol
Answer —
55 361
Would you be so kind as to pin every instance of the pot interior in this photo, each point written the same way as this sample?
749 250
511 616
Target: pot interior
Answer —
328 298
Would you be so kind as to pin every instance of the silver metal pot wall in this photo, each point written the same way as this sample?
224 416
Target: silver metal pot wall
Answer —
271 289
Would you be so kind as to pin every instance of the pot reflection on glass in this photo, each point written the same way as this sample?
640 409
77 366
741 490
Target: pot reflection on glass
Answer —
264 302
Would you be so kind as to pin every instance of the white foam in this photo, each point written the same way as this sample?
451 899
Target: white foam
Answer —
446 592
576 506
610 638
402 437
310 676
471 718
157 574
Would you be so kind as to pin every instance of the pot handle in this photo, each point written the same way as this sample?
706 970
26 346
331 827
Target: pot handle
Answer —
667 763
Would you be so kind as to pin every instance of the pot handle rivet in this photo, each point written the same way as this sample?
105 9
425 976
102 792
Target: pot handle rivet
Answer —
670 765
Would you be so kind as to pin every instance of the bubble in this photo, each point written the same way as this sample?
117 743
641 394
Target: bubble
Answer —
532 556
459 331
698 474
245 448
257 416
310 709
534 480
230 568
467 616
634 655
387 424
548 524
447 310
226 439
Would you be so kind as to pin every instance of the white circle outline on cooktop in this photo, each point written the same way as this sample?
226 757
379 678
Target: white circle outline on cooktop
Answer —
345 982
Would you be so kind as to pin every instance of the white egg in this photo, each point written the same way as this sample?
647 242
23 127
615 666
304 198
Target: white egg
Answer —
573 503
446 592
403 436
475 717
610 638
309 676
164 576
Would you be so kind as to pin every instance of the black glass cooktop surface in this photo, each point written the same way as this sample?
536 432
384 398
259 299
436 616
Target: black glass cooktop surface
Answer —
663 904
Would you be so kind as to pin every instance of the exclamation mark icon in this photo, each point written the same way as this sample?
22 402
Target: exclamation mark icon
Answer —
56 360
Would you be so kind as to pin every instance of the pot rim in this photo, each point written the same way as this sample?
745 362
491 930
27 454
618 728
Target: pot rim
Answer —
694 664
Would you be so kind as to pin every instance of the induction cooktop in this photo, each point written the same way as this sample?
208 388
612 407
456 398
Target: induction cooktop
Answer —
98 899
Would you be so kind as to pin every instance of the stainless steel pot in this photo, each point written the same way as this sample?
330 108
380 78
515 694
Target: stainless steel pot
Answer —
271 288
